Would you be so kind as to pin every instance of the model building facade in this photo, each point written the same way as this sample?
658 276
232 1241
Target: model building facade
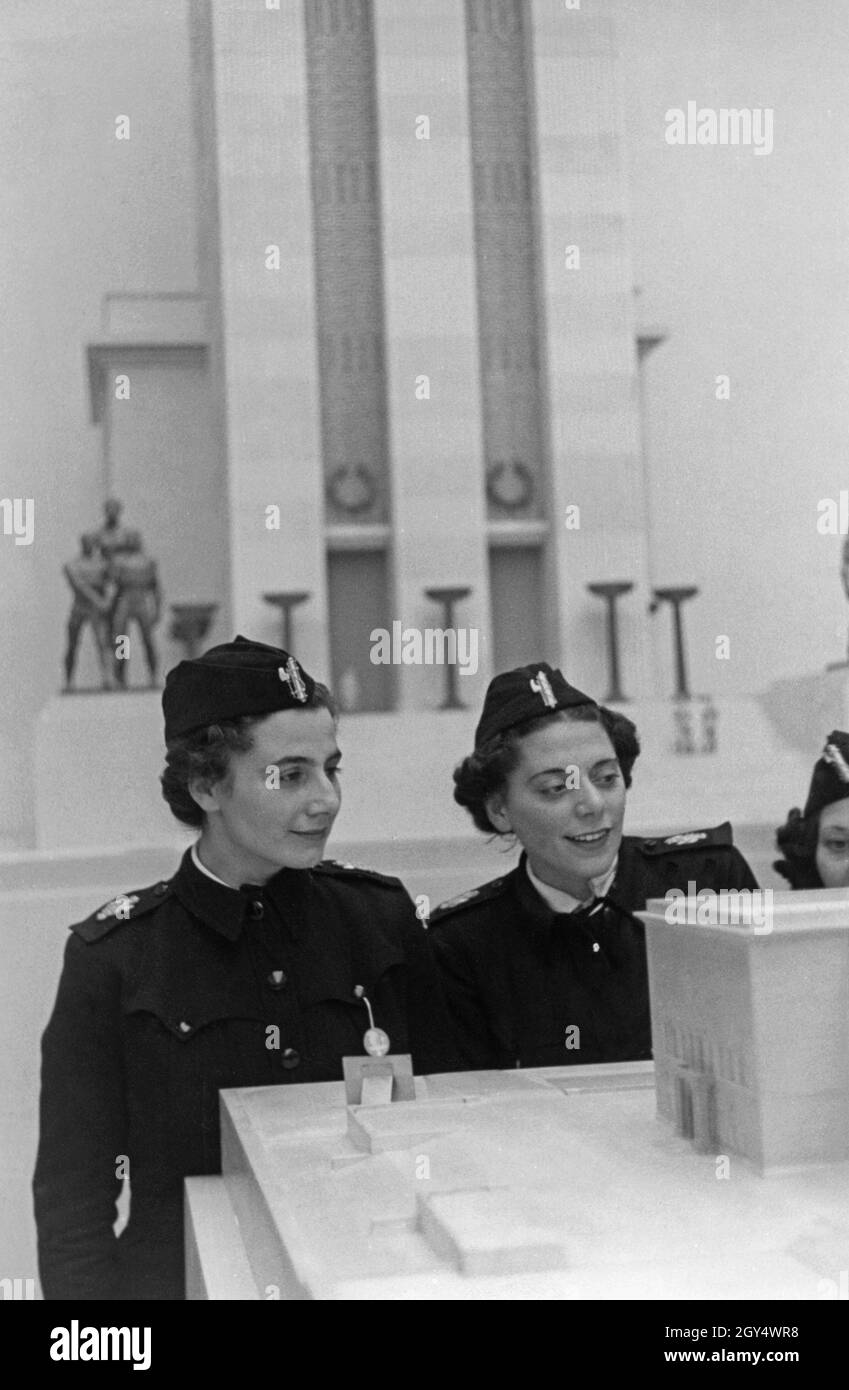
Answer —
751 1029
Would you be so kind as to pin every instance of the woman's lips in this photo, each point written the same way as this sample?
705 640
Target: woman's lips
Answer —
591 840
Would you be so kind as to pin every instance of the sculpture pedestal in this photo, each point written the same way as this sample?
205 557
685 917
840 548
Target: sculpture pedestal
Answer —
97 763
805 709
98 759
555 1183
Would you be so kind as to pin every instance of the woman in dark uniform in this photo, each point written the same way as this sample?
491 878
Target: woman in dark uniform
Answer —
815 841
251 966
546 965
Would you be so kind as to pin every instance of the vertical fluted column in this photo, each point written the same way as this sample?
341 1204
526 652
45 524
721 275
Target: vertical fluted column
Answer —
514 426
438 513
255 159
586 286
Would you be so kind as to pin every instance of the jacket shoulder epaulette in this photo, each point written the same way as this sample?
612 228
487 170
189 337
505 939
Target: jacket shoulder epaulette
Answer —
470 899
718 836
337 870
127 907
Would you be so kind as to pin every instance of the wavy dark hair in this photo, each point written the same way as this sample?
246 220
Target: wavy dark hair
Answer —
204 756
797 839
484 773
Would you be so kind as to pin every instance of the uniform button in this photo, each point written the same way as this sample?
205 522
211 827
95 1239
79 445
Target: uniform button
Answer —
596 946
290 1058
257 910
276 980
650 844
185 1027
161 889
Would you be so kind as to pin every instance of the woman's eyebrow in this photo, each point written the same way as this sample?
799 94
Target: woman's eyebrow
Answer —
561 770
566 767
301 760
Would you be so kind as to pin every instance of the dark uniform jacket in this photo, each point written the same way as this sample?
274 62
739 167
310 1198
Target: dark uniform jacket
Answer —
157 1012
530 987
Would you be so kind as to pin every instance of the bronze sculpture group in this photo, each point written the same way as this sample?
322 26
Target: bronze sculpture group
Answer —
114 583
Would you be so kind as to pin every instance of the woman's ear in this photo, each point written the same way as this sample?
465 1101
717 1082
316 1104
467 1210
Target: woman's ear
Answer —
206 794
498 815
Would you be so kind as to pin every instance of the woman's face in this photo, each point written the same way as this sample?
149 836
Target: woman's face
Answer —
565 801
276 807
832 856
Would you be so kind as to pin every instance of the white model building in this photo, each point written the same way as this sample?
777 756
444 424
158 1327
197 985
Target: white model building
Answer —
750 1029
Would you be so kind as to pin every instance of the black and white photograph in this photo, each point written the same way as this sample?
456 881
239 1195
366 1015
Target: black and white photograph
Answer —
424 730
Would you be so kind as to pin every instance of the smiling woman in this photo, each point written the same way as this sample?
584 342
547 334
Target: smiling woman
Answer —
547 965
258 963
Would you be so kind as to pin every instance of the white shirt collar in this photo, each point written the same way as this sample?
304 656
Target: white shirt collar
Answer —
564 902
204 870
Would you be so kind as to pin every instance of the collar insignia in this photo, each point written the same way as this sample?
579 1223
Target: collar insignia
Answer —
120 907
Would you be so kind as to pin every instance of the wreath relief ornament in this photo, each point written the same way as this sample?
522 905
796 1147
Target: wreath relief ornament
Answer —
510 485
352 488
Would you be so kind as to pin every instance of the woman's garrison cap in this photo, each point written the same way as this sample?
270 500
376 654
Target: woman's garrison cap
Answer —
514 697
830 780
234 679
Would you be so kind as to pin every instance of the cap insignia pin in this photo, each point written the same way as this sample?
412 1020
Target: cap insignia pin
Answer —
833 755
542 687
290 673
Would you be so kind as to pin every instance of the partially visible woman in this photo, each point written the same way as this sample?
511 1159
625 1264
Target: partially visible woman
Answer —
815 840
250 966
547 965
